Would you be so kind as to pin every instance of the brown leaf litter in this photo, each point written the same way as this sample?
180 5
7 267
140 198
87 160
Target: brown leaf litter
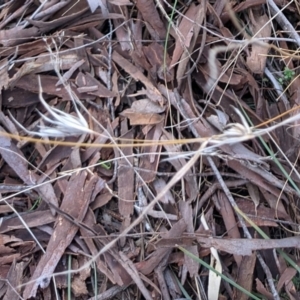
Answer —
140 83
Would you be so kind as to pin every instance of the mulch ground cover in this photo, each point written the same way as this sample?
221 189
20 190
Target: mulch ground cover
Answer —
149 149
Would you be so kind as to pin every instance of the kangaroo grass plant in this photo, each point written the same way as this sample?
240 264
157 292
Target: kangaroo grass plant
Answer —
63 124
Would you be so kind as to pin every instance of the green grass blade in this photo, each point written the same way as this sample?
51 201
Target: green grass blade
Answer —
204 264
